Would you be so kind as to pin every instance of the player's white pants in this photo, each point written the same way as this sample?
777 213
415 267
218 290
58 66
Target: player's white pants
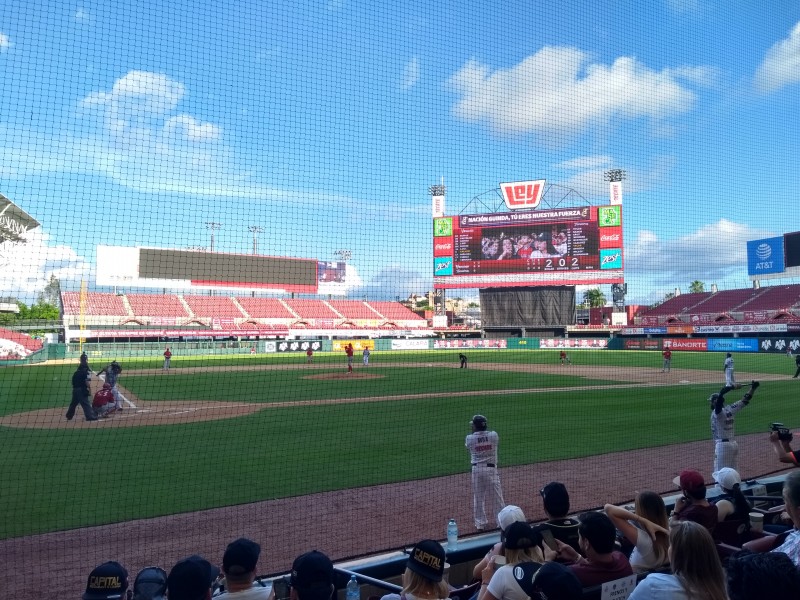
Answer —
729 380
667 364
725 454
117 397
486 484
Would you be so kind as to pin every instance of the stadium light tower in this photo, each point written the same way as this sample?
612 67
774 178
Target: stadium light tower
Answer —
613 175
255 230
343 255
212 227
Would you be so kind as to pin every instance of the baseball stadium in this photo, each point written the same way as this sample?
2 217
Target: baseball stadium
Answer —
360 281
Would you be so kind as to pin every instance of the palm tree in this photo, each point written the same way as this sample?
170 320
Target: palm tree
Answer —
594 298
697 287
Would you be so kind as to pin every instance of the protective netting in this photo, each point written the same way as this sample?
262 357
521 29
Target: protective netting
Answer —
286 223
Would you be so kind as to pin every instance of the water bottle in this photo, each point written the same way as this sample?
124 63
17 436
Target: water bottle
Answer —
353 592
452 534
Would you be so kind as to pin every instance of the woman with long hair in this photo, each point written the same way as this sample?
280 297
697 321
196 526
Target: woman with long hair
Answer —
423 578
733 504
696 570
646 528
522 544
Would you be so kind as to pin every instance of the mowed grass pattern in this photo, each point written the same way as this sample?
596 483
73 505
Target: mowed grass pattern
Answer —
62 478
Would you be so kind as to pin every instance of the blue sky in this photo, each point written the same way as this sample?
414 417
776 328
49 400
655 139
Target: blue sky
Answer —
135 123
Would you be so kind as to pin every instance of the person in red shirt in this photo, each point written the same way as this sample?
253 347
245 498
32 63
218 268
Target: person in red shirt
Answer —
167 358
349 351
309 355
667 354
564 358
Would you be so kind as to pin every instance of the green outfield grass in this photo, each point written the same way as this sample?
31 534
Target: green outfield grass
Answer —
77 477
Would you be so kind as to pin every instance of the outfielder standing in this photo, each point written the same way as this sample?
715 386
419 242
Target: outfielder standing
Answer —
667 355
726 449
167 358
482 446
730 380
366 356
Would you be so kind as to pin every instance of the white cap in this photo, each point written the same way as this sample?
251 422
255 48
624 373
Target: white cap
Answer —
727 478
508 515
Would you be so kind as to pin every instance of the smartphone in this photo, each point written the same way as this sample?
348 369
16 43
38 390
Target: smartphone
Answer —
281 587
548 538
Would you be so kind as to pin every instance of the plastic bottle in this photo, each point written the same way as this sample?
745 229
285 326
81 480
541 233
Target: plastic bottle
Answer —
452 534
353 592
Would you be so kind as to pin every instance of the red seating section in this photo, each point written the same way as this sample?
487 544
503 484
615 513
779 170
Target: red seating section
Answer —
157 305
312 309
395 311
97 304
265 308
353 309
213 307
23 340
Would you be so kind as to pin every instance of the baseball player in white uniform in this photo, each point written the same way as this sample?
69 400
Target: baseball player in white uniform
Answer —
482 445
730 381
365 354
726 449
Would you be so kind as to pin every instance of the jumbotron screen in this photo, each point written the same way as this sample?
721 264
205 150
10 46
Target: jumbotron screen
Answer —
566 246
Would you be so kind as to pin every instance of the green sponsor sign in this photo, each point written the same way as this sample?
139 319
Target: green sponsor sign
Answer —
443 226
609 216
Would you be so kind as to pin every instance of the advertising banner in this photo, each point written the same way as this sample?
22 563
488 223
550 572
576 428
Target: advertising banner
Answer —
765 256
298 346
338 345
469 343
632 331
523 343
687 344
584 344
733 345
781 345
742 328
643 344
410 344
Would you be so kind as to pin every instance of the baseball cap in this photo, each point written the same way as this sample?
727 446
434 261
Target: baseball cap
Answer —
551 580
427 559
727 478
479 421
106 582
241 556
191 578
510 514
689 479
150 584
555 498
312 576
521 536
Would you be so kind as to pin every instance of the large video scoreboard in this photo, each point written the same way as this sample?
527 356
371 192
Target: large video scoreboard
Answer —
567 246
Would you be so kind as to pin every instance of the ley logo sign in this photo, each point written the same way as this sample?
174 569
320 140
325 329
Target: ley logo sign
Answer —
522 194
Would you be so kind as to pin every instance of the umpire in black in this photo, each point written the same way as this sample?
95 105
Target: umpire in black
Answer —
80 394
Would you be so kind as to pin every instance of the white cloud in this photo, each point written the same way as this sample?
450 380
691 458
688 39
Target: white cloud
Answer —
588 176
712 252
781 65
684 6
557 92
5 42
585 162
82 15
410 74
26 268
393 281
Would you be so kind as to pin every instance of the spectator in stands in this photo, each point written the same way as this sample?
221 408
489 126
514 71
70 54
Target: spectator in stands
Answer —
791 498
510 514
507 249
597 537
108 581
646 528
524 247
753 576
692 505
783 448
312 577
555 500
522 544
558 239
550 580
540 247
696 569
191 579
424 574
150 584
239 567
490 246
732 505
80 394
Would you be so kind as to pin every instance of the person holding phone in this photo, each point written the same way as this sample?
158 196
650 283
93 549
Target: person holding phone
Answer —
647 528
521 545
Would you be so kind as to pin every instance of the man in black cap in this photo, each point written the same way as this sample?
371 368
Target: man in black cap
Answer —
555 500
550 580
191 579
80 394
312 577
482 446
108 581
239 567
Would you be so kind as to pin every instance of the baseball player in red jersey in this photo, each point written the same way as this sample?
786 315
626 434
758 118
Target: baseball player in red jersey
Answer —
349 351
167 359
482 445
667 355
309 355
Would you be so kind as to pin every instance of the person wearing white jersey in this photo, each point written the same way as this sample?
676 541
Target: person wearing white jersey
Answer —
730 380
482 445
726 449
